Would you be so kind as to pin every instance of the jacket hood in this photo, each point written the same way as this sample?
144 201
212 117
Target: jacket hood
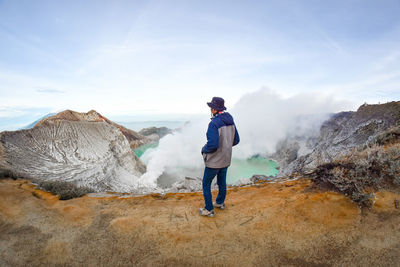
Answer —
226 118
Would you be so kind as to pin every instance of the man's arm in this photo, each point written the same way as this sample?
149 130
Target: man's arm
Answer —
236 140
212 139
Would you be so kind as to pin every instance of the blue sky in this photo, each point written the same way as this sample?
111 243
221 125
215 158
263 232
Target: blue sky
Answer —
152 58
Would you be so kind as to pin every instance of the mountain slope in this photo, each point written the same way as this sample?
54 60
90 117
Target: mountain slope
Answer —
337 137
133 137
92 154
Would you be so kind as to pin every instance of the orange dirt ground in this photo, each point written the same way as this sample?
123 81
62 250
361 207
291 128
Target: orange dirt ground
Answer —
271 224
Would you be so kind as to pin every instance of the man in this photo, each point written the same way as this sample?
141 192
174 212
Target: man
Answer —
217 153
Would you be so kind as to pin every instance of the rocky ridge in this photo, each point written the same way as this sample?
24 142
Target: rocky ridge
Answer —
155 133
82 148
135 139
337 137
355 153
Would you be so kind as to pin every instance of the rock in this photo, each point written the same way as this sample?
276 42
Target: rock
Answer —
261 178
155 133
243 182
337 136
190 184
92 154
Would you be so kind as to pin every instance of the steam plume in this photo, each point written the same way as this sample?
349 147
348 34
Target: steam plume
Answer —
263 118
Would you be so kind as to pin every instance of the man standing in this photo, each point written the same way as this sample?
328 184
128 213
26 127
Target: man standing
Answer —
217 153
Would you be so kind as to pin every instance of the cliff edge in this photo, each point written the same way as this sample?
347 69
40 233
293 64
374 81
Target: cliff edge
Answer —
271 224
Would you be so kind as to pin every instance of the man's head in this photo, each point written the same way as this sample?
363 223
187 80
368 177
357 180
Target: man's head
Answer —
217 104
214 111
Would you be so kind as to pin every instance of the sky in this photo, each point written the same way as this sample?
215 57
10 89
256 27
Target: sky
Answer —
141 60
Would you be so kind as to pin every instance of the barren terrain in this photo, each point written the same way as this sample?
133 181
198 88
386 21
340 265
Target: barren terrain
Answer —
287 224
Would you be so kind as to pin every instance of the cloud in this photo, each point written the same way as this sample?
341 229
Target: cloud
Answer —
48 90
387 61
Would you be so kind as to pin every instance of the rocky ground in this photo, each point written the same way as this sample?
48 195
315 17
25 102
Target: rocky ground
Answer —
338 135
271 224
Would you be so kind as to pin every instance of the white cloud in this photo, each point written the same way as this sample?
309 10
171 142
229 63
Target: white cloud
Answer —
48 90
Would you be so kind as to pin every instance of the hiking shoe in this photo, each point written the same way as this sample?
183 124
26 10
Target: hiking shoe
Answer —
205 212
220 206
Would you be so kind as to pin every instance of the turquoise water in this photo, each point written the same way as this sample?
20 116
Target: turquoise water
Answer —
140 150
240 168
246 168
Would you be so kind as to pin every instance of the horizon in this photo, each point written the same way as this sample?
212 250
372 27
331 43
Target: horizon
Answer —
153 59
157 120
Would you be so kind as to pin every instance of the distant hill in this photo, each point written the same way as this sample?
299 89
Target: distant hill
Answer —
31 125
135 139
140 125
155 133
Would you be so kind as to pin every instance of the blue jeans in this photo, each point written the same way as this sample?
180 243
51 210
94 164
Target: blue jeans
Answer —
209 174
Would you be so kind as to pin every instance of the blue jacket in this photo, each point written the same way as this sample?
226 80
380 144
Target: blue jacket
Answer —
221 136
